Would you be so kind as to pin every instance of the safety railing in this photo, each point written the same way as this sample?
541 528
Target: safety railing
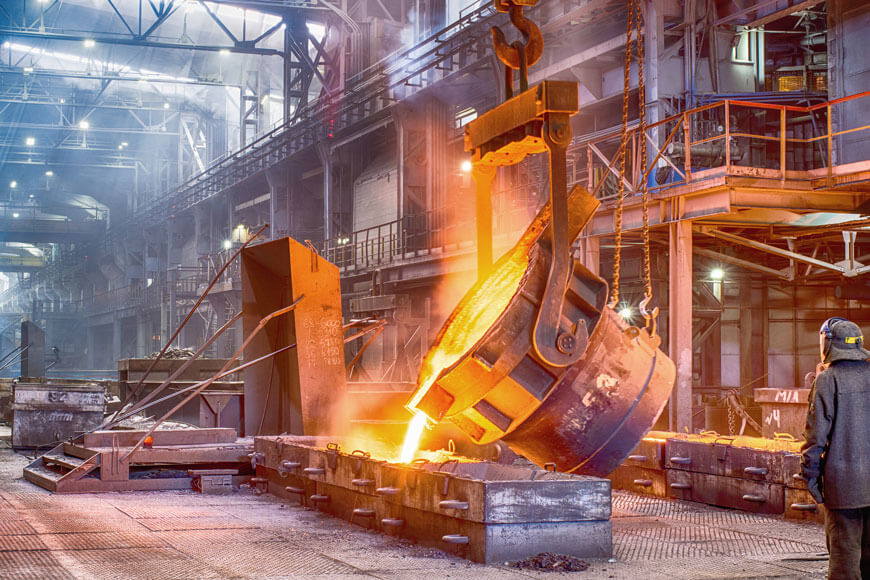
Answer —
51 212
727 137
132 296
426 233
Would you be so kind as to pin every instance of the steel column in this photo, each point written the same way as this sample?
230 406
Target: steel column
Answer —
680 322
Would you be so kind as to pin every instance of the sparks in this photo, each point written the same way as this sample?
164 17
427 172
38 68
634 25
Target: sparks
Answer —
412 437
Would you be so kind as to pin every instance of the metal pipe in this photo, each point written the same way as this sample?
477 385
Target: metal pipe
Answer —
10 353
16 357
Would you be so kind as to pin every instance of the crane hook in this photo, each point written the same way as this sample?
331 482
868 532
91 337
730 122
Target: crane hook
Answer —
518 55
649 317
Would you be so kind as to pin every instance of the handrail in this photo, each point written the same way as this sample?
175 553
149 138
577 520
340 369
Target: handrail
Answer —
814 157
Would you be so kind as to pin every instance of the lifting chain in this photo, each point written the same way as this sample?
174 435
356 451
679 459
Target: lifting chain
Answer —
517 55
634 36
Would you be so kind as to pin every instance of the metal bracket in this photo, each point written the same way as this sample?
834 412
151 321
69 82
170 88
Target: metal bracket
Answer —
535 121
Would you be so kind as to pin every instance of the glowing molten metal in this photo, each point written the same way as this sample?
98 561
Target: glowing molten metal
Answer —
484 373
412 437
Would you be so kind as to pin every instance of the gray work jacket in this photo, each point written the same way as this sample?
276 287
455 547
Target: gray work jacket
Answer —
837 446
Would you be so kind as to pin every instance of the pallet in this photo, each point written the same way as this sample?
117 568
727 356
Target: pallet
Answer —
97 464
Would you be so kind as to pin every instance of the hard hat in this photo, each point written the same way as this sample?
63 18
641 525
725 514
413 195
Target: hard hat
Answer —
843 340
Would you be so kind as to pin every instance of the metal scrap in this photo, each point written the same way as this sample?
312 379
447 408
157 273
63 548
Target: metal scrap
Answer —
549 562
174 353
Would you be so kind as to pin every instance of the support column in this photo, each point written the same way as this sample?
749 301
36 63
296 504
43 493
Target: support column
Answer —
92 347
680 323
278 226
143 335
326 162
116 338
172 276
591 255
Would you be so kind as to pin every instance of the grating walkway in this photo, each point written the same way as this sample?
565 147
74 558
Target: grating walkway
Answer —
186 535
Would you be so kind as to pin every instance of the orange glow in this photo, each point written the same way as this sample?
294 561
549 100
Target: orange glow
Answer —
412 437
478 310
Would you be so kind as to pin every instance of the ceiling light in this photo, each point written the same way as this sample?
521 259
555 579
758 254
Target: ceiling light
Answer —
49 173
466 166
30 196
30 141
13 184
224 52
165 105
717 274
84 125
28 69
227 244
62 101
89 43
15 214
124 143
625 312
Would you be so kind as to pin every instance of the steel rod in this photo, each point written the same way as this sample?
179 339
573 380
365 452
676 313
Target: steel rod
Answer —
221 375
377 326
217 276
206 383
180 370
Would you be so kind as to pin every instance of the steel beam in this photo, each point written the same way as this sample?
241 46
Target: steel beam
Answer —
784 275
241 48
735 239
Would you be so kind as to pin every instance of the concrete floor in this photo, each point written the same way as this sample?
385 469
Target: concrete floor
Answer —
187 535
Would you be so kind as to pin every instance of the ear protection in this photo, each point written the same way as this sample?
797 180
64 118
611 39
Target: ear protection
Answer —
828 325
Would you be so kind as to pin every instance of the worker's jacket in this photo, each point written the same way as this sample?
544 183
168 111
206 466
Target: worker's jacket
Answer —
837 446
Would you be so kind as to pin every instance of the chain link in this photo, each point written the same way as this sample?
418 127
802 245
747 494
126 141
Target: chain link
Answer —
634 39
732 423
647 270
617 254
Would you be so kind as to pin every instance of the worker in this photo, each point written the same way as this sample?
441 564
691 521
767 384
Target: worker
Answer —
836 454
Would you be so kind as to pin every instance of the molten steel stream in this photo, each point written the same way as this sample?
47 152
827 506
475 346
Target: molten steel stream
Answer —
412 437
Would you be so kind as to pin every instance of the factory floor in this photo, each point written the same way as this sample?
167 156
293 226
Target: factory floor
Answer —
187 535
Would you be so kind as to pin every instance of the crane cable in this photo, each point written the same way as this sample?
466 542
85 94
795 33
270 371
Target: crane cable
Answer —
634 35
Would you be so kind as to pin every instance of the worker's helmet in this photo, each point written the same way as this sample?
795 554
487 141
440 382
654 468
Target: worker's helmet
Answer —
843 340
